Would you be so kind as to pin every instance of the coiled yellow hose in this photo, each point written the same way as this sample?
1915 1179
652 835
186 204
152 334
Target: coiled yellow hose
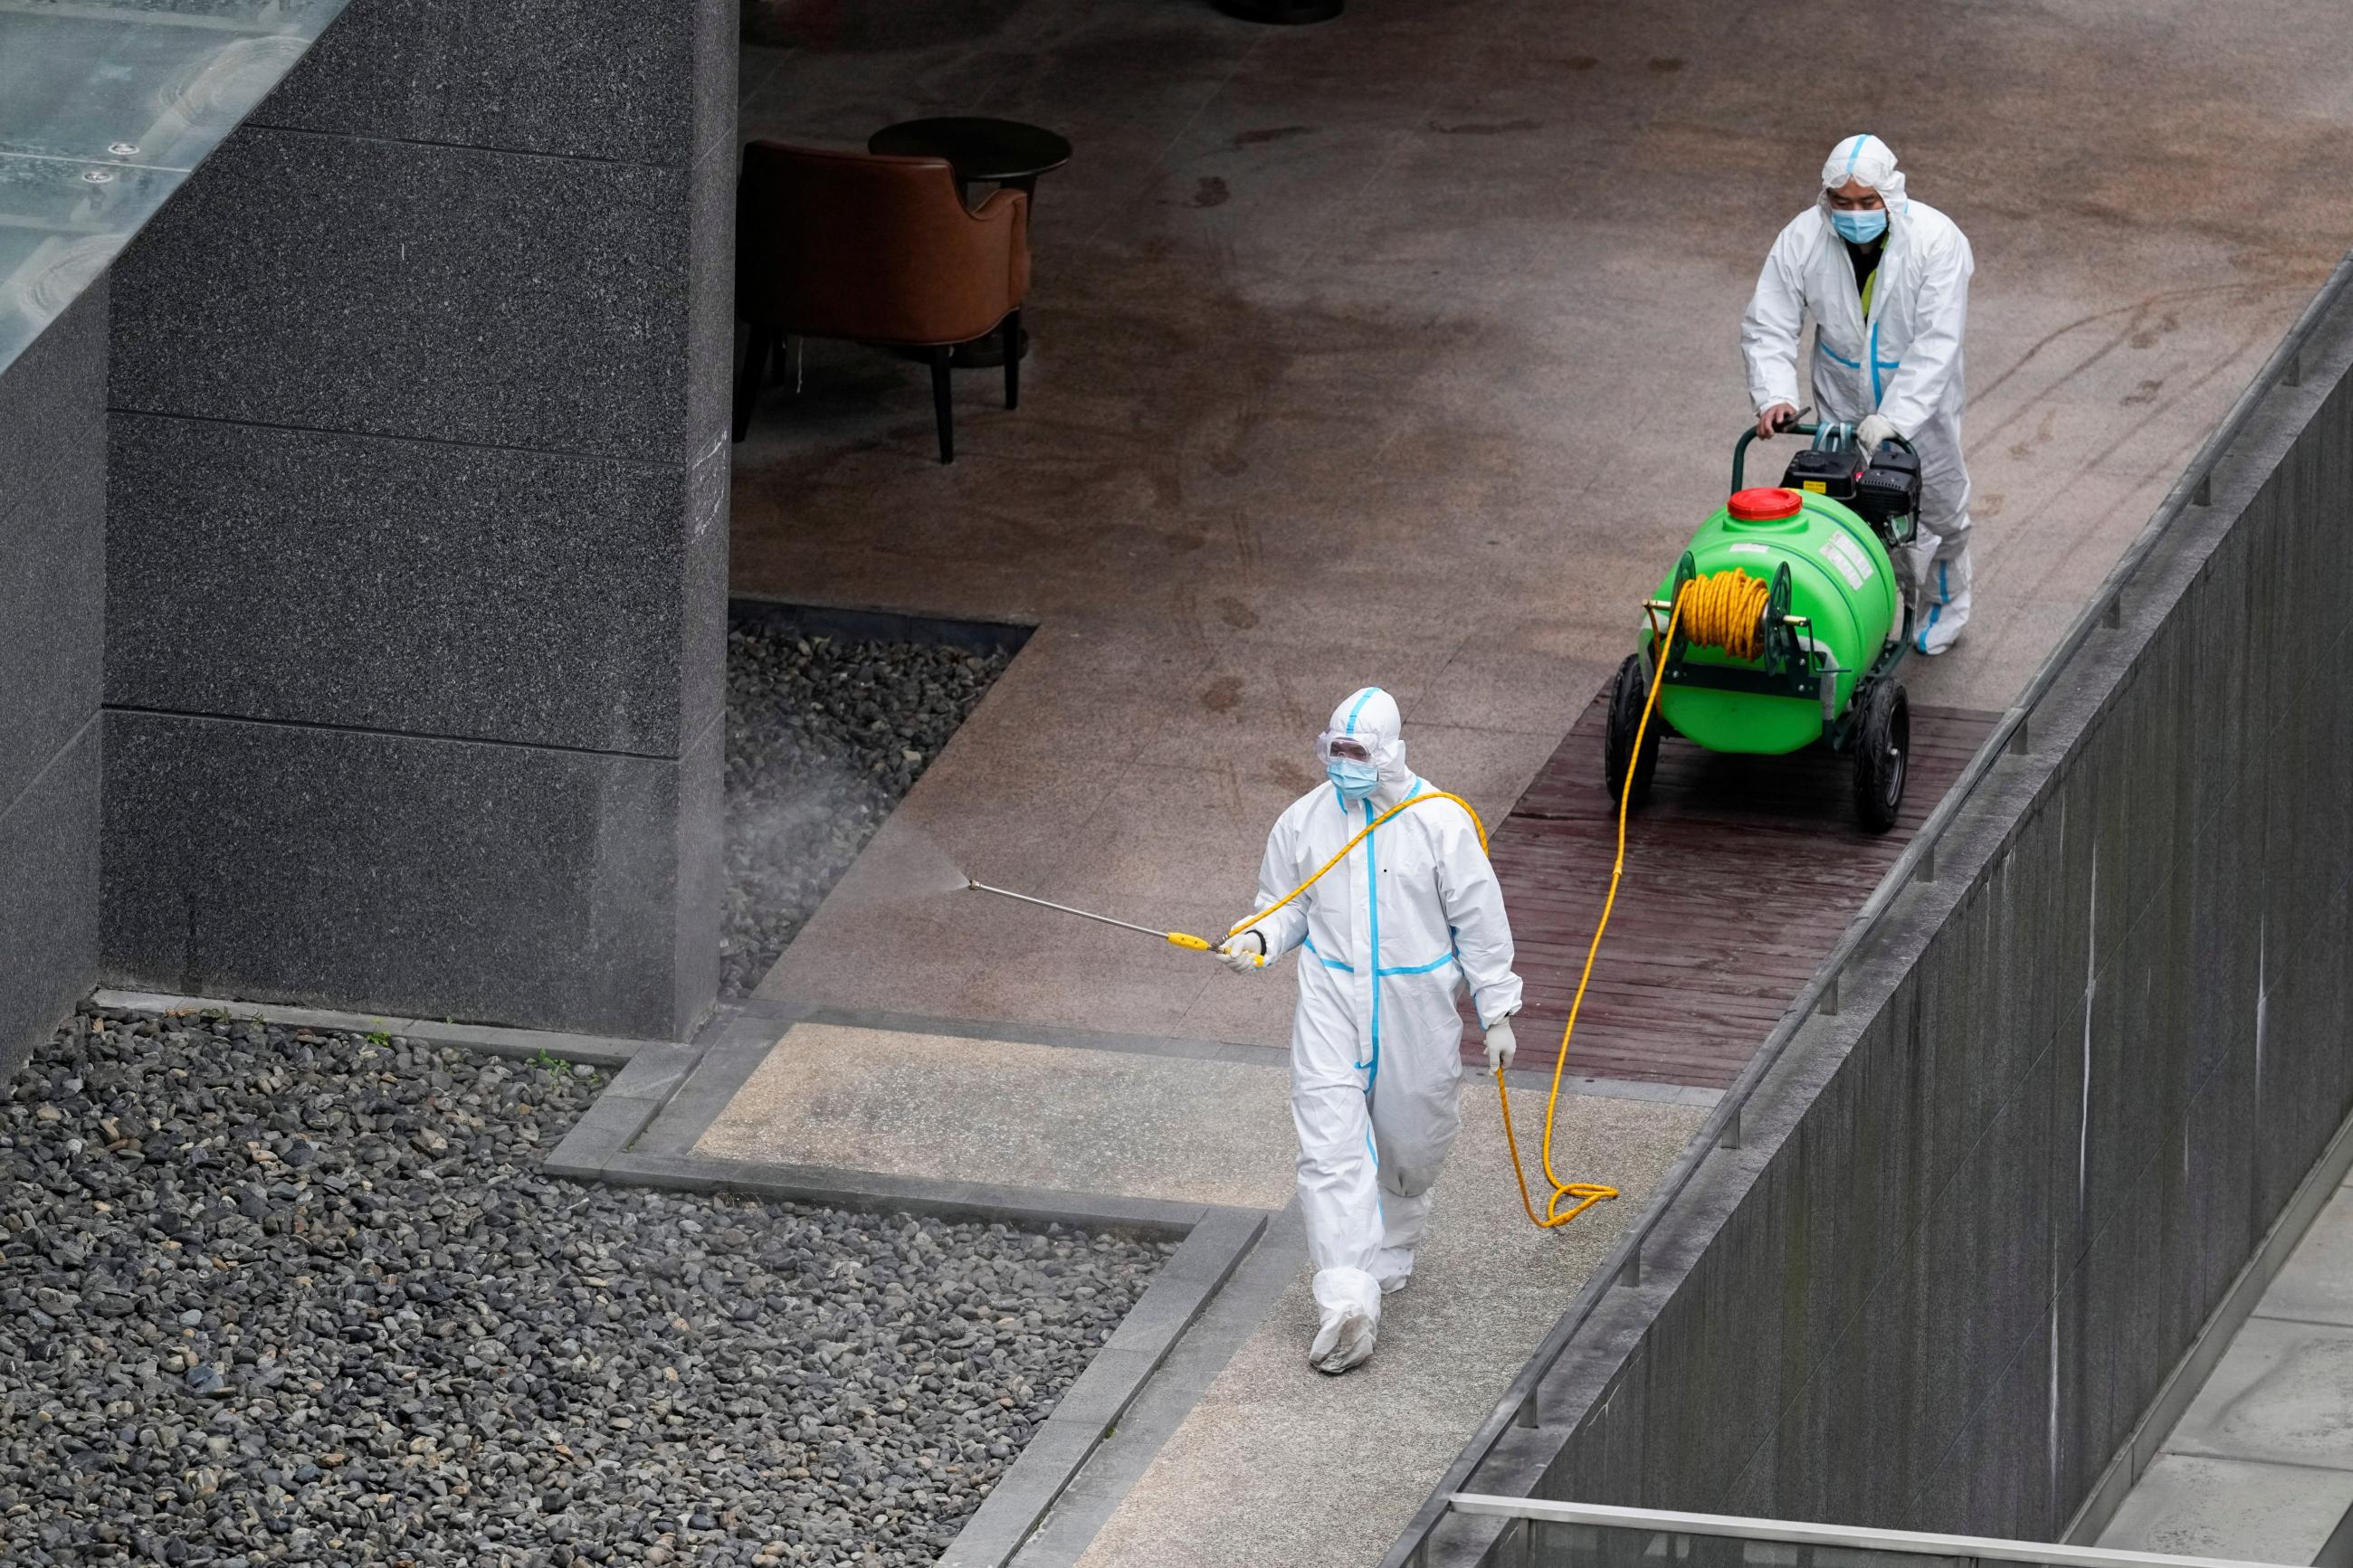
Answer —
1726 610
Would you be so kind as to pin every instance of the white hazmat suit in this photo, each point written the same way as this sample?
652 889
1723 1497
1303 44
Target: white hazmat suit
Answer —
1388 938
1901 361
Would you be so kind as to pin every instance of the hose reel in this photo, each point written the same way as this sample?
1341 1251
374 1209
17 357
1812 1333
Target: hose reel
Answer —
1746 617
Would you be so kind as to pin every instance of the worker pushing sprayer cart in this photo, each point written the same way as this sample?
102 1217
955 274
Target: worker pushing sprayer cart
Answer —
1887 280
1408 919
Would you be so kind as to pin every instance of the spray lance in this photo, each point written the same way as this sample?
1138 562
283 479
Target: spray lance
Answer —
1172 938
1203 944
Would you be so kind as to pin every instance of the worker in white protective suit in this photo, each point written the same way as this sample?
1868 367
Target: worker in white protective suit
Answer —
1391 936
1887 280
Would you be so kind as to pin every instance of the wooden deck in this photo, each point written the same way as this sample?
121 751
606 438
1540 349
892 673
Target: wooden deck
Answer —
1741 872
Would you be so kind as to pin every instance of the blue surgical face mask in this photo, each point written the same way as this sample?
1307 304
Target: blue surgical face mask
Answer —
1354 780
1860 227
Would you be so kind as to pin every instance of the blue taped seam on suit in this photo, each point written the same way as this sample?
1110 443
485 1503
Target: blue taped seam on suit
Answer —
1309 943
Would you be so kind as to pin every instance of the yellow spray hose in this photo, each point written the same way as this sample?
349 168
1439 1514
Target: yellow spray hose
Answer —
1587 1193
1359 838
1726 611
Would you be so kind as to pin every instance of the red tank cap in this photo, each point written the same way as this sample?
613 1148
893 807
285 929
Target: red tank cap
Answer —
1764 506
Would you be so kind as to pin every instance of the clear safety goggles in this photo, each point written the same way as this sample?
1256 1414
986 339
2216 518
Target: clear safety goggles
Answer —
1339 746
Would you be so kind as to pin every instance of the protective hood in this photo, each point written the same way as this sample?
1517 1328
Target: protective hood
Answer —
1868 159
1371 716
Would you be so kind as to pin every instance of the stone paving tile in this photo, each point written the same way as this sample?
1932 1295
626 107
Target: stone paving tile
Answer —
1052 1117
2260 1465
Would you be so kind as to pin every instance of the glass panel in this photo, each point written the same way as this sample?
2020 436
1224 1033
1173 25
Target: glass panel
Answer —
105 105
60 224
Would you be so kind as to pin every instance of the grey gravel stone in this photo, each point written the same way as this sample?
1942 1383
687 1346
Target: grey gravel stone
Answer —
823 738
403 1349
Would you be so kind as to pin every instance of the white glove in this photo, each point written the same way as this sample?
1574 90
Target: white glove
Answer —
1872 431
1499 1045
1244 953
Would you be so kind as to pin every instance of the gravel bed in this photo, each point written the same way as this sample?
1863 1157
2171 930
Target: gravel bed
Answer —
271 1296
824 737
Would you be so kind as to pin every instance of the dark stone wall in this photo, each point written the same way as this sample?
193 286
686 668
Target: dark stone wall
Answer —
1983 1212
52 572
416 603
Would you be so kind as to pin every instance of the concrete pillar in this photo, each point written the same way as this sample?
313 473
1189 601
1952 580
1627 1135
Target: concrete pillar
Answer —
417 527
52 564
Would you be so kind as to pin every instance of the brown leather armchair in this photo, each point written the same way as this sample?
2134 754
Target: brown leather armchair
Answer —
880 250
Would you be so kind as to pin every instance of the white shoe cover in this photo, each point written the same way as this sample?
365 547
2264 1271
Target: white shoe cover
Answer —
1393 1268
1342 1342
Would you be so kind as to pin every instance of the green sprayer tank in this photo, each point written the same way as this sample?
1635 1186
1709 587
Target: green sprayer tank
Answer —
1840 581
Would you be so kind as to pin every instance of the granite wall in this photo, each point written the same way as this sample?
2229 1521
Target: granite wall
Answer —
1982 1211
52 630
417 530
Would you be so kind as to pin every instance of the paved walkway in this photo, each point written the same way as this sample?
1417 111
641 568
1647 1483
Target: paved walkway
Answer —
1401 350
1278 1464
2260 1467
1255 1458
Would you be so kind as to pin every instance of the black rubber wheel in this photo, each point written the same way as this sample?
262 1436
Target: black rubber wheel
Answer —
1627 691
1883 751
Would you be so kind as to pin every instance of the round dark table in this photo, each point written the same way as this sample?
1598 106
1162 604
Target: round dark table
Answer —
981 151
1282 12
